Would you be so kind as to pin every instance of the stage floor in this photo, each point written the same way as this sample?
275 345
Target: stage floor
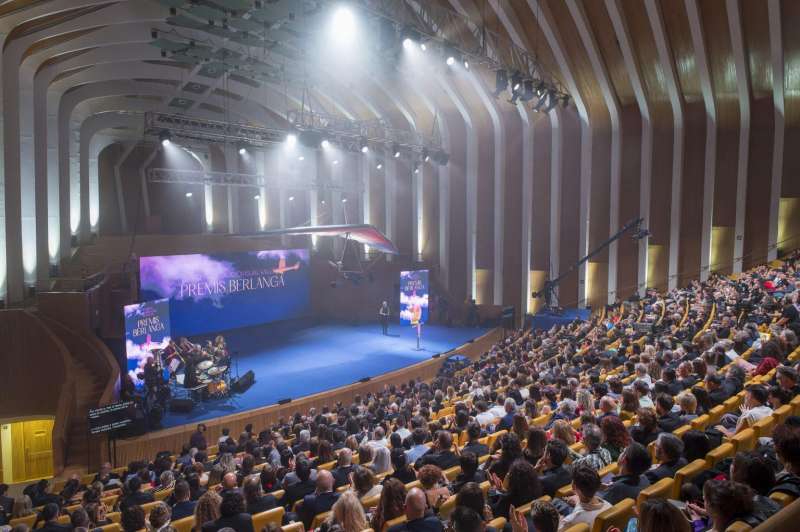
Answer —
296 363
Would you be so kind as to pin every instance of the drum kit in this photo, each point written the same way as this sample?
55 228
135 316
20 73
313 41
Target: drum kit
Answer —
213 377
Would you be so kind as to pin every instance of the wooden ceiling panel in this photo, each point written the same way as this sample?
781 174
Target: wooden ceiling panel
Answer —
790 15
579 61
644 47
721 64
680 41
756 35
603 30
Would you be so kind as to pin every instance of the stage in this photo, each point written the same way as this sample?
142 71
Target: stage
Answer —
291 362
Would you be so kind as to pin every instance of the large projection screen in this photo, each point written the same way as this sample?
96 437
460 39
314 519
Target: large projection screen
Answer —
222 291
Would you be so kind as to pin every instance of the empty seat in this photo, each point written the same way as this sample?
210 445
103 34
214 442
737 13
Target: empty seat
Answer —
744 440
763 427
274 516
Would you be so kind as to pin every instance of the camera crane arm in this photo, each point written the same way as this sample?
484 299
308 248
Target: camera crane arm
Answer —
550 285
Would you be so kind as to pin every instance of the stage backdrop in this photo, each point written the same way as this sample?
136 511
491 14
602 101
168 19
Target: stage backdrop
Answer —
211 293
147 327
414 296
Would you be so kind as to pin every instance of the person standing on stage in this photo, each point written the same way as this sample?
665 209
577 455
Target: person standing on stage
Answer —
383 316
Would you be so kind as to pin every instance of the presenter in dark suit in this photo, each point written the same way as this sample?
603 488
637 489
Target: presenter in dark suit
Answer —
383 316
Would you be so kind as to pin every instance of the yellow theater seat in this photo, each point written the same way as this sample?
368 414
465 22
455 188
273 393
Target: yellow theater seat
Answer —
274 516
744 440
726 450
685 474
294 527
616 516
660 490
184 525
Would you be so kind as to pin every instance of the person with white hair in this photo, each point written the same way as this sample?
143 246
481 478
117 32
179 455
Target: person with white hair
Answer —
381 462
507 421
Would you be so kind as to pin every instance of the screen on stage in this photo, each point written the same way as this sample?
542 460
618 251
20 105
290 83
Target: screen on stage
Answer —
217 292
414 297
147 327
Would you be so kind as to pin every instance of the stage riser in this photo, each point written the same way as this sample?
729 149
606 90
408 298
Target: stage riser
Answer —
172 439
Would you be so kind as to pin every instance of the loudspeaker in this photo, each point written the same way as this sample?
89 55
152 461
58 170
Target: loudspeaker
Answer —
244 382
365 379
181 405
285 401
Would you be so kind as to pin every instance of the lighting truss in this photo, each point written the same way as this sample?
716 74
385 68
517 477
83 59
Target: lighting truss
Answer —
349 134
232 179
458 34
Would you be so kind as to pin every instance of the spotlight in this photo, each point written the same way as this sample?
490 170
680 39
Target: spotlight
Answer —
291 139
322 202
256 197
540 103
344 25
344 200
423 46
516 85
397 154
325 144
500 82
242 151
291 198
336 161
466 64
450 60
165 137
301 158
188 194
425 155
380 165
552 101
408 44
416 168
527 91
364 146
364 149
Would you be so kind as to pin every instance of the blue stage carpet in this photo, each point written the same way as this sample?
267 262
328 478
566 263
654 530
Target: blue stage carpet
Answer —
295 363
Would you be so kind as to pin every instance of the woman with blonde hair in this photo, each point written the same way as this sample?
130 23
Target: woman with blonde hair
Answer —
207 508
348 514
585 401
562 430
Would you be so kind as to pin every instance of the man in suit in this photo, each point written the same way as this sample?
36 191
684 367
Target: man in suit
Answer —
320 501
473 445
304 486
551 467
231 515
50 517
669 452
416 518
344 467
507 421
667 419
633 463
442 455
6 504
183 507
135 494
717 394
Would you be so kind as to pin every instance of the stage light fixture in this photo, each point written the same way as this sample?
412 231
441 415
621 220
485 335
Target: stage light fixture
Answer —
500 82
322 202
363 144
395 150
423 46
256 197
291 139
516 86
426 156
242 151
466 64
188 194
552 101
565 101
527 91
325 144
450 60
364 149
379 166
408 44
301 158
343 25
165 137
538 106
344 200
336 161
291 198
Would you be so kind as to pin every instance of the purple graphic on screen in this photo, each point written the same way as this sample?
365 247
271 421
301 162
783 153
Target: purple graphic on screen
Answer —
228 290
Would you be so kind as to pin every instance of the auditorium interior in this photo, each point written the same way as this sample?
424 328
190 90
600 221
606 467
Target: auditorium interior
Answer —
399 265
